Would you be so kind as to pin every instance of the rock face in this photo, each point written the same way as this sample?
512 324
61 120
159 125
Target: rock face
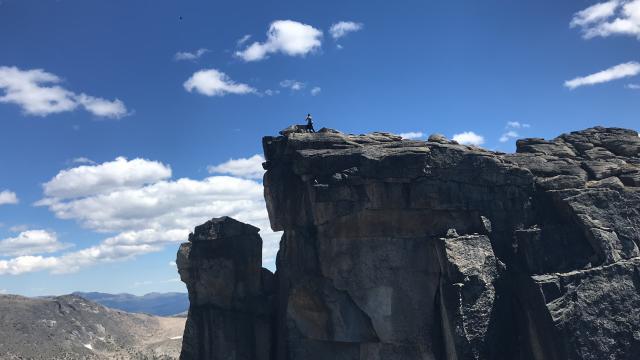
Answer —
400 249
229 313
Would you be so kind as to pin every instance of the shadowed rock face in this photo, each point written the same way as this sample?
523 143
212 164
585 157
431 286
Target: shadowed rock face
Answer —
229 313
397 249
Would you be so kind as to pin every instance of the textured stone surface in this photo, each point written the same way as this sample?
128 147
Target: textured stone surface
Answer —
402 249
230 311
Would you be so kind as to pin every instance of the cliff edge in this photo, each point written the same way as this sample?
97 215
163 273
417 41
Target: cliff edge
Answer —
400 249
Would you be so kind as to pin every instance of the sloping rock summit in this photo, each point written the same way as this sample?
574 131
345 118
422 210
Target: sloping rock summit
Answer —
400 249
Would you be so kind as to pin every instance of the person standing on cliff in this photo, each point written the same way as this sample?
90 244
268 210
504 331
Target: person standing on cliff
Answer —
310 124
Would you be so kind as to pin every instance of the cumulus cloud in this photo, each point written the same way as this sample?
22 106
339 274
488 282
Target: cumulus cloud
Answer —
31 242
616 17
469 138
105 178
287 37
144 213
613 73
292 84
185 55
250 168
102 107
342 28
37 92
8 197
412 135
315 91
212 82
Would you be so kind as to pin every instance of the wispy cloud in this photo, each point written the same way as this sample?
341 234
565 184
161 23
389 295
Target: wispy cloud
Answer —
82 160
250 168
508 136
511 132
517 125
8 197
287 37
243 40
633 86
616 17
211 82
292 84
185 55
412 135
620 71
37 92
469 138
343 28
316 90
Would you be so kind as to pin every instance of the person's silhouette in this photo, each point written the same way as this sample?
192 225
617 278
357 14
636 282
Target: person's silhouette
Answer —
310 124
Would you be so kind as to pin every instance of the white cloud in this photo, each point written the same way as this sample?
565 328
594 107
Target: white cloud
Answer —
31 242
212 82
141 217
284 36
104 178
36 93
613 73
315 91
102 107
412 135
342 28
25 264
270 92
617 17
508 135
633 86
250 168
517 125
469 138
82 160
172 264
594 13
243 40
292 84
8 197
185 55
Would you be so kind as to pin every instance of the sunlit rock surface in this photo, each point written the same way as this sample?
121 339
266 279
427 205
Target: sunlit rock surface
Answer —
401 249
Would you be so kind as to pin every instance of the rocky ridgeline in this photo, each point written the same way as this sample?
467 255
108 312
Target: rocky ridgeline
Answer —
398 249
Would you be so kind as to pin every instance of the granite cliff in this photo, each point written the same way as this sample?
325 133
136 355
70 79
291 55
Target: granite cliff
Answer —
398 249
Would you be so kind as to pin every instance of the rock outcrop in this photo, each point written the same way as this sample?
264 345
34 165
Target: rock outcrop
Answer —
401 249
230 309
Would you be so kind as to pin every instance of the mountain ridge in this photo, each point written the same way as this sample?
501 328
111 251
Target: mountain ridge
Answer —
154 303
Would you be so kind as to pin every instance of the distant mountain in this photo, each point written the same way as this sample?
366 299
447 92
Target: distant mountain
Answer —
70 327
161 304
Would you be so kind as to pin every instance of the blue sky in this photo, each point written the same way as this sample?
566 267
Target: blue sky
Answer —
120 119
